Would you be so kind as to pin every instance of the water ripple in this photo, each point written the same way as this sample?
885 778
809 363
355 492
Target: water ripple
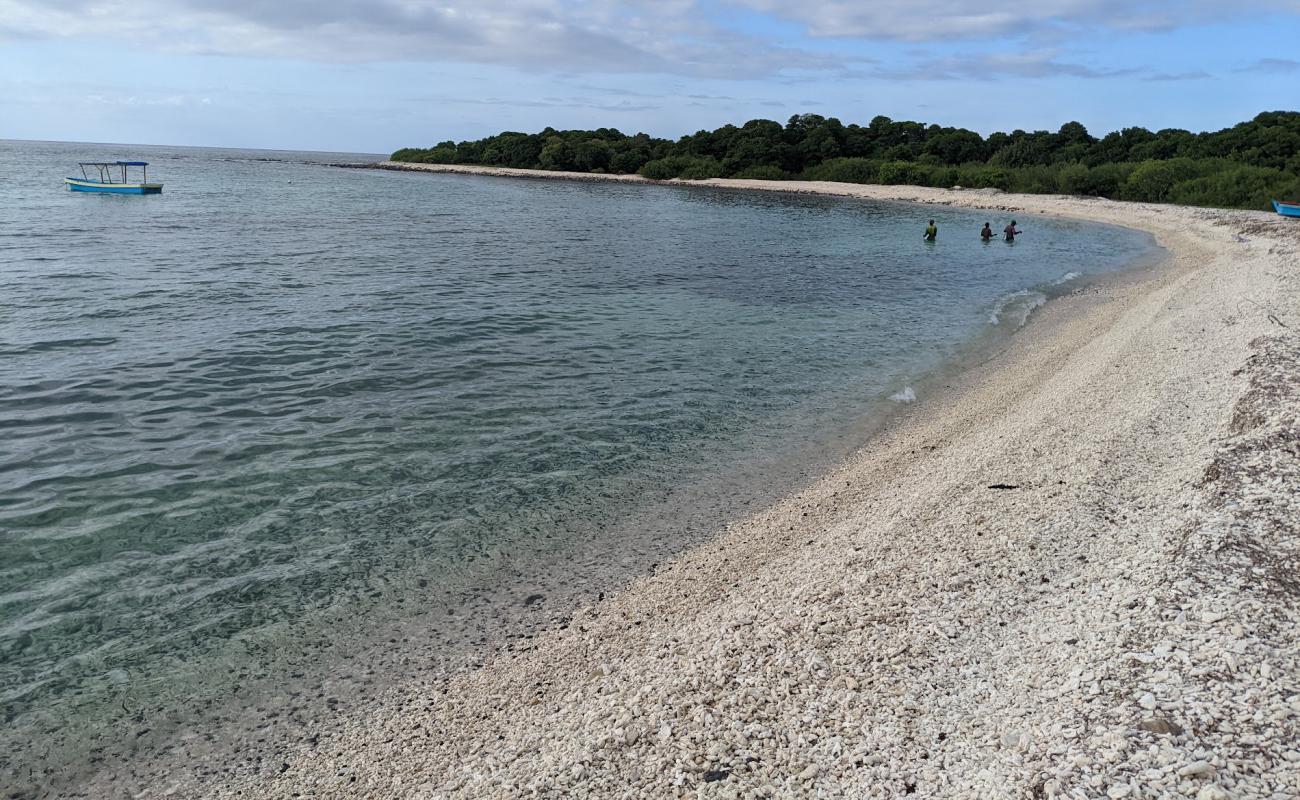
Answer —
215 416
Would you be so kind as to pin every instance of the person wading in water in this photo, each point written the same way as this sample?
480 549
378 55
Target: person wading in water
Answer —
1010 231
987 233
932 232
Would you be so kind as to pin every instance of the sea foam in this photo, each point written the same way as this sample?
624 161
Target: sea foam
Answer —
1016 307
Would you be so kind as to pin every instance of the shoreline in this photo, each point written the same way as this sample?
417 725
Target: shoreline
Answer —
736 619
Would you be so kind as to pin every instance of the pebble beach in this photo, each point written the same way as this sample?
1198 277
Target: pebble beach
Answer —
1067 572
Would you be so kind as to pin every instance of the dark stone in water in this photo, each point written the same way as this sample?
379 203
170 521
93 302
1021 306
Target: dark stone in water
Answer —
534 598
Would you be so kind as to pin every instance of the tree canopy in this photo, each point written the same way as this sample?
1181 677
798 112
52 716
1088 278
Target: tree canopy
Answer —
1241 167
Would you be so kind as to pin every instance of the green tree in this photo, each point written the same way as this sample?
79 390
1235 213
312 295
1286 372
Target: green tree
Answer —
591 155
956 146
1152 181
1024 149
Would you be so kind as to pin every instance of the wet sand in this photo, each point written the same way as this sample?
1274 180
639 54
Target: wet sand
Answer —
1066 572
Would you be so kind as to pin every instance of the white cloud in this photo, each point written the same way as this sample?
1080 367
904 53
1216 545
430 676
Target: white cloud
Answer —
116 99
669 36
1275 66
987 66
933 20
625 36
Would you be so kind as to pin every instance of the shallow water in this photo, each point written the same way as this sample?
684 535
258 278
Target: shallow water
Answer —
281 387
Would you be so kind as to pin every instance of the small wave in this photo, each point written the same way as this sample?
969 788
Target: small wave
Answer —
59 344
907 395
1016 306
1066 278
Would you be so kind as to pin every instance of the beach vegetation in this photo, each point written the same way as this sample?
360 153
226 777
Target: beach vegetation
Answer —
845 170
1152 181
985 177
1239 167
691 168
1236 187
1035 179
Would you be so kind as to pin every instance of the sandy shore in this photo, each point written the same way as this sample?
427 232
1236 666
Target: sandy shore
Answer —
1070 573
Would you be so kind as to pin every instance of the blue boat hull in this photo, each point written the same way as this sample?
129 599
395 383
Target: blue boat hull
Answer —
80 185
1287 209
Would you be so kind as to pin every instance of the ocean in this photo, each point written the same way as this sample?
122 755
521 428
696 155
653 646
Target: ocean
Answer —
253 426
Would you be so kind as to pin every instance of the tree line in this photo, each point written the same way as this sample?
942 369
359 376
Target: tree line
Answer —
1239 167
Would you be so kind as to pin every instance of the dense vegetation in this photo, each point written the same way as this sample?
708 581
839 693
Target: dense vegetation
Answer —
1239 167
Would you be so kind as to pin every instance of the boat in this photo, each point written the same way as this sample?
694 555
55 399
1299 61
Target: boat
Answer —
1287 209
108 171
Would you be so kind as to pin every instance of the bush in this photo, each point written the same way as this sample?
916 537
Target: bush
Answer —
700 169
662 169
1152 181
1239 187
764 172
845 170
628 162
1071 179
900 173
976 176
1105 180
1034 180
685 167
940 177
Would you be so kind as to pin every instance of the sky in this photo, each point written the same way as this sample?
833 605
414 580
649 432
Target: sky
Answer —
375 75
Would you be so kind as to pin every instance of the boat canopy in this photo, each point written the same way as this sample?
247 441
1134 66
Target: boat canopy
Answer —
107 170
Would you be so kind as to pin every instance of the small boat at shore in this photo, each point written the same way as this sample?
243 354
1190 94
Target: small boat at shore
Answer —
1287 209
106 171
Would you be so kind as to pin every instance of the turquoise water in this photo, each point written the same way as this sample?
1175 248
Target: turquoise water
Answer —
282 387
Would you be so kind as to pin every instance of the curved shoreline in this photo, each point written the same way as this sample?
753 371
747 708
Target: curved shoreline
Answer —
901 625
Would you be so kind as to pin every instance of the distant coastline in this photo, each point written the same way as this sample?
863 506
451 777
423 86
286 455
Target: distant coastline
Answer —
1245 166
504 172
986 198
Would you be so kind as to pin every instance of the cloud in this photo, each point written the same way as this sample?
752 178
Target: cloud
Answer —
543 102
612 37
1275 66
136 100
932 20
585 36
1025 66
330 30
989 66
1164 77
